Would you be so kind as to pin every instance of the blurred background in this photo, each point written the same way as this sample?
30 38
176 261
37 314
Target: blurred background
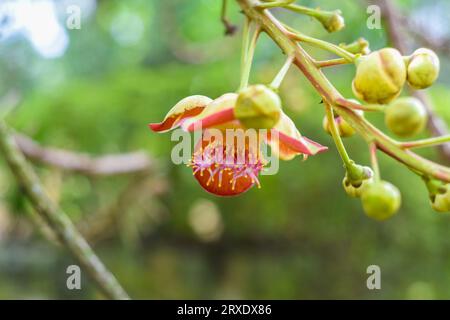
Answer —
94 89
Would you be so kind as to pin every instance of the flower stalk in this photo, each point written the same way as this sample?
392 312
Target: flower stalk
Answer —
430 142
348 163
249 45
276 82
327 46
374 161
331 62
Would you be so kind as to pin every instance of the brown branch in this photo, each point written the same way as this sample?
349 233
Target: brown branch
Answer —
56 218
113 164
397 37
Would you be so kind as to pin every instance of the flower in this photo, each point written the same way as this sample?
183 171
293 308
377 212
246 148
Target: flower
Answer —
226 161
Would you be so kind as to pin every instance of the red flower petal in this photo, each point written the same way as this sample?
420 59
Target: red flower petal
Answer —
186 108
213 120
286 141
301 145
175 120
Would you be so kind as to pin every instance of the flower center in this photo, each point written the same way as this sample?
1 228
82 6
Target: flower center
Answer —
226 169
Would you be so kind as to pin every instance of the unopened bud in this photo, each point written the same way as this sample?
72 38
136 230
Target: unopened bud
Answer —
258 107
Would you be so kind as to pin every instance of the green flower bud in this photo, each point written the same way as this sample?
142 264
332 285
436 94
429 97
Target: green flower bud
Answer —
344 128
380 76
380 200
423 68
332 21
439 193
355 190
356 174
359 46
406 116
258 107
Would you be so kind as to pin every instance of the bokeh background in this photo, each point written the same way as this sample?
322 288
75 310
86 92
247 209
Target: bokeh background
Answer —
94 90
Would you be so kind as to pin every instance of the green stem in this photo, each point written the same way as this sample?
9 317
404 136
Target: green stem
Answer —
245 41
331 62
276 82
304 62
359 46
298 36
364 107
425 142
56 219
249 52
229 28
349 164
223 13
316 13
274 4
374 161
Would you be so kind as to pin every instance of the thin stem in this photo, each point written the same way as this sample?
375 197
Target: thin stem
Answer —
374 161
276 82
331 62
426 142
307 11
56 219
358 106
245 41
249 52
359 46
298 36
223 12
229 28
275 4
337 138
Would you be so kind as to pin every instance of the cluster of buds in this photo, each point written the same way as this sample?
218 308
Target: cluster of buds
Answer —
379 80
381 75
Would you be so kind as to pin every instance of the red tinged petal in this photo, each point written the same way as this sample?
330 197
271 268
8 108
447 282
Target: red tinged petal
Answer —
213 120
175 120
186 108
298 145
286 141
219 114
